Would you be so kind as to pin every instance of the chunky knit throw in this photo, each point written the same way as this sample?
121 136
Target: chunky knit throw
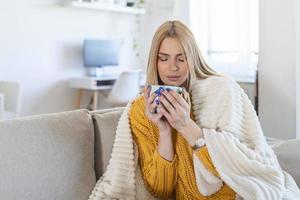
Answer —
235 142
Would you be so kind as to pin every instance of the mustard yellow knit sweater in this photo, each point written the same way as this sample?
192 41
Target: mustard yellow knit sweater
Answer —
163 177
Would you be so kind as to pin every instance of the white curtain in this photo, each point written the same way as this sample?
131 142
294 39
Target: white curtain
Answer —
227 34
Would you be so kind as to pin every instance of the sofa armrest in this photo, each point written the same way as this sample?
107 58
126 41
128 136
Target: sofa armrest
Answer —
288 154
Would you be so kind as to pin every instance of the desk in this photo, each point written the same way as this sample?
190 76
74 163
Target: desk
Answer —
95 84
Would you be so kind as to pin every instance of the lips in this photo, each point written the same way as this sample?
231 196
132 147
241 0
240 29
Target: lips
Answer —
173 78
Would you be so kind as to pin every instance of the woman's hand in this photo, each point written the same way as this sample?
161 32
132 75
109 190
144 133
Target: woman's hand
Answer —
165 143
157 118
175 108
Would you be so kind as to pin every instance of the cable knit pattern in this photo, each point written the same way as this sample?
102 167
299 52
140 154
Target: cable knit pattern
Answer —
234 140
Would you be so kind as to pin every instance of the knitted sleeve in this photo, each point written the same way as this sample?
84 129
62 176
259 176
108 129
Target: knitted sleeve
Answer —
160 175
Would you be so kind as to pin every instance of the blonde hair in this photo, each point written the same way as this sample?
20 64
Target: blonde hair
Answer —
198 68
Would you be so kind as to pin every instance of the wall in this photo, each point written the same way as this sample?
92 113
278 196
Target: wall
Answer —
41 48
41 45
277 68
157 13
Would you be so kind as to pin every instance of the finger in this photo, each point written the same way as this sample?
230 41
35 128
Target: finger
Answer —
167 105
152 103
180 100
151 98
172 100
148 108
146 96
147 91
165 113
153 106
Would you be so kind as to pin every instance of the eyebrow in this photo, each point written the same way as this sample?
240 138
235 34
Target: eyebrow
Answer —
165 54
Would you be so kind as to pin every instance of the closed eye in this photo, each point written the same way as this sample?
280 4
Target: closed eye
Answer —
181 59
163 59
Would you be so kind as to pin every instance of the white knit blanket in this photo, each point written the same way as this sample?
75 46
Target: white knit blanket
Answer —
234 140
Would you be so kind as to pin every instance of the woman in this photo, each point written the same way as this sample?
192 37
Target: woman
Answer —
166 152
207 146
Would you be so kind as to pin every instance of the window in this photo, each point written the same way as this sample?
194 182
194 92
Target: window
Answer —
227 34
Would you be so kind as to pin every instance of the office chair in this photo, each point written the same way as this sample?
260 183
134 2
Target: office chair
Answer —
126 88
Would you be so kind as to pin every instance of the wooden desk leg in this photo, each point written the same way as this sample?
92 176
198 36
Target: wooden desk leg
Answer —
78 99
95 100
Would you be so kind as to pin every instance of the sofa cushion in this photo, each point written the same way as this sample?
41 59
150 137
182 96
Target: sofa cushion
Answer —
47 157
288 154
105 123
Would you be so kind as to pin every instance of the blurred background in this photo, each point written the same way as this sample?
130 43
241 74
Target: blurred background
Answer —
60 55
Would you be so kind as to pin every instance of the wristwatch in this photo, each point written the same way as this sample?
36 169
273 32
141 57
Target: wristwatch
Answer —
200 142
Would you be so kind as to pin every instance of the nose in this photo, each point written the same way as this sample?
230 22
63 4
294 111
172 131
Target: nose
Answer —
173 65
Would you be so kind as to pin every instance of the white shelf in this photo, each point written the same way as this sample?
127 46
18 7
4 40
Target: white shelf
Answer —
107 7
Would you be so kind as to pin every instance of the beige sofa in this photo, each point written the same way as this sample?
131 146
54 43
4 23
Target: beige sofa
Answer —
60 156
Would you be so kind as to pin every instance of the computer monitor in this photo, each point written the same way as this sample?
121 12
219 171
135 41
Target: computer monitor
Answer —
98 53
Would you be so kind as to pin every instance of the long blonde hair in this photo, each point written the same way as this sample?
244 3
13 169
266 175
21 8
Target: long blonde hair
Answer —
198 68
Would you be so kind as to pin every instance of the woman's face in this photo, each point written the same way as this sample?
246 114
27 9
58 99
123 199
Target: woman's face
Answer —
171 63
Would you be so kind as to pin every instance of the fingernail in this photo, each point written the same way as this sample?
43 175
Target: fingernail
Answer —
168 89
157 101
158 93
